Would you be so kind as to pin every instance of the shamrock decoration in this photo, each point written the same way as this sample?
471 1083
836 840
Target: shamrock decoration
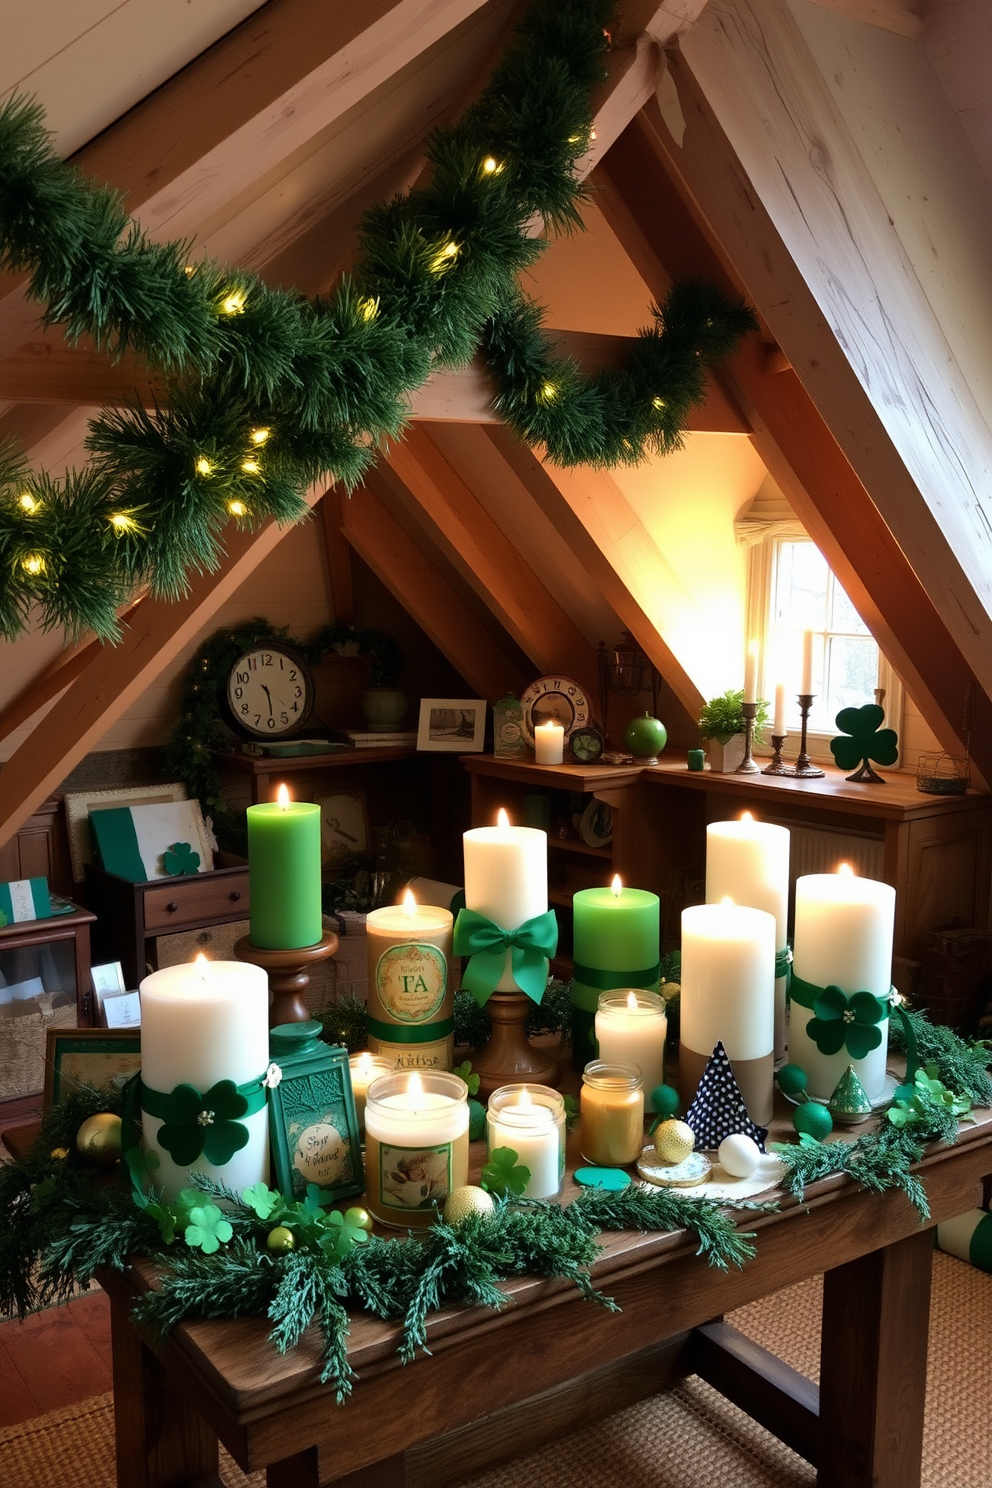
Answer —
464 1072
867 741
207 1229
927 1090
179 859
262 1200
503 1175
846 1022
196 1123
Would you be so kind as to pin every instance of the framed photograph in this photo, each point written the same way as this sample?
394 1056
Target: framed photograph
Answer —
313 1128
151 840
106 980
77 814
344 825
454 725
88 1056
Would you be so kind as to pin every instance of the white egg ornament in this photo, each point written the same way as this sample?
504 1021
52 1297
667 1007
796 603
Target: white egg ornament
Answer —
738 1155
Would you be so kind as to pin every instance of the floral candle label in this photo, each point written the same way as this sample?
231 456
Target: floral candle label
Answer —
414 1177
411 982
320 1155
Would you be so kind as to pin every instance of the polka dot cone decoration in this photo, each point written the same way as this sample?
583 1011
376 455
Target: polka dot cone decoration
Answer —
718 1107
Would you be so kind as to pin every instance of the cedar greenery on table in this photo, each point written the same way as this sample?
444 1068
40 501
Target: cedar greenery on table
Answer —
267 392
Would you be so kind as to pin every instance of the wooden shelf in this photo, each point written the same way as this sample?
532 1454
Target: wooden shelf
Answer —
567 845
293 764
568 777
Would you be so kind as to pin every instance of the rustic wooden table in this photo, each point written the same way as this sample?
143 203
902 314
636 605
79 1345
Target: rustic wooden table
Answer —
498 1384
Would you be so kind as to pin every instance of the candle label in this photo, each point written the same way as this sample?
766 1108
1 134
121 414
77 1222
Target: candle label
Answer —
411 982
414 1177
314 1128
437 1055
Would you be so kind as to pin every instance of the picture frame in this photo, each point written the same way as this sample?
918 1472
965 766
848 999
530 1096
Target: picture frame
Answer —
313 1128
106 980
88 1056
345 829
452 725
133 840
77 814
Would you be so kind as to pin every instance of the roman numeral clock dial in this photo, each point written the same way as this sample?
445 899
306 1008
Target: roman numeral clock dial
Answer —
269 693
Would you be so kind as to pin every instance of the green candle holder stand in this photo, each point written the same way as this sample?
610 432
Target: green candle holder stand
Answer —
289 974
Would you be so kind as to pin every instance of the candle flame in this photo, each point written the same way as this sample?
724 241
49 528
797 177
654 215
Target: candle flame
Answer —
415 1089
502 820
282 796
201 962
846 870
617 885
632 1002
746 816
726 899
525 1103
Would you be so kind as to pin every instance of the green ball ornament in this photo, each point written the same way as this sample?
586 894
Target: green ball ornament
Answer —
645 737
476 1120
281 1240
359 1218
814 1120
665 1101
791 1079
467 1200
98 1140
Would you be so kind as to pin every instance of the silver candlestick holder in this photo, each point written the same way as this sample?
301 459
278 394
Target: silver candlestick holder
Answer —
804 767
747 765
778 765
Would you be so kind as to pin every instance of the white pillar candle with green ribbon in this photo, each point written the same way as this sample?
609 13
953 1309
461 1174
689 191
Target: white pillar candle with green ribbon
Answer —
969 1237
204 1057
841 980
748 861
616 936
506 930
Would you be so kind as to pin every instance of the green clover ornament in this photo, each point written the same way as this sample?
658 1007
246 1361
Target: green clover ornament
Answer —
179 859
195 1123
863 739
207 1229
846 1022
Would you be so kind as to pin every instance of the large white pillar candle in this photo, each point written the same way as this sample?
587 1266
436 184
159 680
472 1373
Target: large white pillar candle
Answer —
748 861
530 1120
506 878
843 939
630 1029
549 743
200 1024
728 996
416 1145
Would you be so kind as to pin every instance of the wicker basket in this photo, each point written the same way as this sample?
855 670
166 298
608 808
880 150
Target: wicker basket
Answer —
943 774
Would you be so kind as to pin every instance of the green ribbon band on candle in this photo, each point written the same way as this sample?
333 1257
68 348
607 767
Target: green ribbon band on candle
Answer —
783 960
592 982
531 946
405 1033
980 1245
850 1022
208 1123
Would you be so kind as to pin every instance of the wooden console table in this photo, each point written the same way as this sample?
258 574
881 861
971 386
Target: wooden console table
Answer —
499 1384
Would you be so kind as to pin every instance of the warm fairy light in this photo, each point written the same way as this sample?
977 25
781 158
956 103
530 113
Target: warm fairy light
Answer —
237 508
189 270
415 1090
250 466
617 885
28 503
549 392
592 134
234 303
845 870
409 902
259 436
491 166
444 256
632 1002
34 563
282 796
369 308
659 403
203 466
122 523
502 820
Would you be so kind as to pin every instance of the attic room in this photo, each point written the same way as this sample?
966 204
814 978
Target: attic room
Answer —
495 743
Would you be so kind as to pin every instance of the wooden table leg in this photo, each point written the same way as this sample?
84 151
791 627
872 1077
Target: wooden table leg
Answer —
161 1440
873 1367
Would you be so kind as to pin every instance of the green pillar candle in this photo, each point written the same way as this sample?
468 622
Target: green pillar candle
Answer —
615 943
284 874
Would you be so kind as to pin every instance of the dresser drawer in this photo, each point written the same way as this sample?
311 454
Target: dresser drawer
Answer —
205 897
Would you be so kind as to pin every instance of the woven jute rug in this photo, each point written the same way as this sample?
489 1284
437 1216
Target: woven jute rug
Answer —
688 1438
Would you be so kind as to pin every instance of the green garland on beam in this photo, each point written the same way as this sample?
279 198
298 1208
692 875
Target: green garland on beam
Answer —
267 393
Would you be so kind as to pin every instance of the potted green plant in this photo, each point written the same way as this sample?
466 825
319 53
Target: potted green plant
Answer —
721 726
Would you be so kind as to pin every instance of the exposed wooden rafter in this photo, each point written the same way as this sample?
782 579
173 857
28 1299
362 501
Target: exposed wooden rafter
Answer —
902 17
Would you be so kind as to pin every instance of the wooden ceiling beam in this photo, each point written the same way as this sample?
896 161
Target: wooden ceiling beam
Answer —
115 676
425 593
901 17
472 542
657 198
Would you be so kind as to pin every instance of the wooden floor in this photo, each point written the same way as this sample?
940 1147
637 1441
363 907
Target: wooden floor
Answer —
54 1358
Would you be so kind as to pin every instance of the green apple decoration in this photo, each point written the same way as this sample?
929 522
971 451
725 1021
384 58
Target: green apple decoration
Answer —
645 737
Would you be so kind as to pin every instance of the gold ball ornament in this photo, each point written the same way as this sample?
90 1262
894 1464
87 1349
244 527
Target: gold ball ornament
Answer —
281 1240
461 1202
98 1140
59 1153
360 1218
673 1141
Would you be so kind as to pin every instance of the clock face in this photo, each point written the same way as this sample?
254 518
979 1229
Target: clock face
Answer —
269 692
556 698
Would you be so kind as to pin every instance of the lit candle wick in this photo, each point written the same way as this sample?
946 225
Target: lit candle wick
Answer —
502 820
632 1002
409 903
846 870
617 885
415 1090
201 963
525 1102
282 796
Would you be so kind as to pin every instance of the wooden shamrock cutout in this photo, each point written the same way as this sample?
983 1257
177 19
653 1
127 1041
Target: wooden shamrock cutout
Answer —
179 859
863 740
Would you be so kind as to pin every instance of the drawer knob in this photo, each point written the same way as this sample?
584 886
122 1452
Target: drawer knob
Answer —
172 906
235 894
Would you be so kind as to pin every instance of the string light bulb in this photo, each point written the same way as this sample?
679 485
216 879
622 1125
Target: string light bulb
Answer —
203 466
233 303
28 503
33 564
659 403
369 307
250 466
444 257
122 523
237 508
548 392
259 436
491 166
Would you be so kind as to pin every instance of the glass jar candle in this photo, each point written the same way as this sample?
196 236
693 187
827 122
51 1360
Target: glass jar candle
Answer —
631 1027
416 1145
530 1119
611 1128
365 1068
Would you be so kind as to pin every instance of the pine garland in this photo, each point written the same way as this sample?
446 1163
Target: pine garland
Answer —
267 392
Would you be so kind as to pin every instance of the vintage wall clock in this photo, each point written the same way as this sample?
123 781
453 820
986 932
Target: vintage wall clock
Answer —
554 697
269 692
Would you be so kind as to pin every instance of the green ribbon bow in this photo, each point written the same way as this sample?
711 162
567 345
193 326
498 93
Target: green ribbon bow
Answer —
532 945
207 1123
